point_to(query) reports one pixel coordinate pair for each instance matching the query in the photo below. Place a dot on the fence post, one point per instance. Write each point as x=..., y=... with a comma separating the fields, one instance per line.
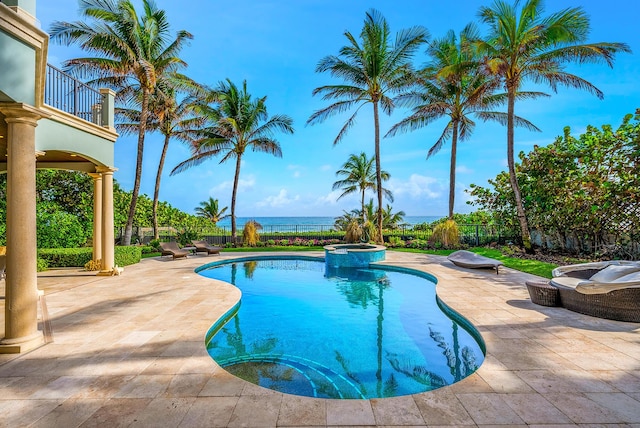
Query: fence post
x=477, y=235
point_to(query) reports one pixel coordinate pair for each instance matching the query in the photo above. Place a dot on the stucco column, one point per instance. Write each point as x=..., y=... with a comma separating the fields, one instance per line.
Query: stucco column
x=97, y=216
x=21, y=305
x=108, y=238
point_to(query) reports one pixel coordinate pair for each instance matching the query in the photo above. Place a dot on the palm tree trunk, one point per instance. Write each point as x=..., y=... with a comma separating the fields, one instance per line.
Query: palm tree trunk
x=522, y=218
x=144, y=111
x=452, y=168
x=236, y=179
x=364, y=213
x=376, y=122
x=156, y=191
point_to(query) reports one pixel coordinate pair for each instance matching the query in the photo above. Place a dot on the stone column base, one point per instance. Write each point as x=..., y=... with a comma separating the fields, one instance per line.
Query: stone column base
x=21, y=344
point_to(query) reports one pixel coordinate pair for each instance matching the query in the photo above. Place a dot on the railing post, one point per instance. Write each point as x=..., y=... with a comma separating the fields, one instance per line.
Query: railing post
x=477, y=235
x=108, y=97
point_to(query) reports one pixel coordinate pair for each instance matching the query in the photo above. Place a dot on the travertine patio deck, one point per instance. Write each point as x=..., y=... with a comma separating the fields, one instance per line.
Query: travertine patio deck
x=129, y=351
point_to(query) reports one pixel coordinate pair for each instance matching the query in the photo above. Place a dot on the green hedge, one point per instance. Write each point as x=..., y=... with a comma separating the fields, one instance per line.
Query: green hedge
x=78, y=257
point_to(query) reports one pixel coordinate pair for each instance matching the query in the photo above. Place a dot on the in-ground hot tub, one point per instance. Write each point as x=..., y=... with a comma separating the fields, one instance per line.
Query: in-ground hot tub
x=353, y=255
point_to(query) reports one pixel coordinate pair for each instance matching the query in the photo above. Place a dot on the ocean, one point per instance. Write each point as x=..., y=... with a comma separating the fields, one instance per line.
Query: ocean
x=286, y=224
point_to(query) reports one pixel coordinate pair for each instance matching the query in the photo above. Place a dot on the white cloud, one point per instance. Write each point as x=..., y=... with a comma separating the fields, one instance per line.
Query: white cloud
x=244, y=185
x=279, y=200
x=296, y=174
x=331, y=198
x=326, y=167
x=463, y=170
x=416, y=186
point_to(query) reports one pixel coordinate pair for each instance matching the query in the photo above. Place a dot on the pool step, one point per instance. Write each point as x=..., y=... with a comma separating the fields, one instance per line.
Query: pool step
x=323, y=381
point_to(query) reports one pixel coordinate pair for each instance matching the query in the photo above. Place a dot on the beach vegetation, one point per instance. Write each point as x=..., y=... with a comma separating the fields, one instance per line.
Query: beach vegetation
x=134, y=52
x=373, y=69
x=525, y=44
x=237, y=122
x=358, y=175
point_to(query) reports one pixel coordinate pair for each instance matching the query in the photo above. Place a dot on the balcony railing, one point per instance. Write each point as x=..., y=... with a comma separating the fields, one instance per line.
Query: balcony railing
x=72, y=96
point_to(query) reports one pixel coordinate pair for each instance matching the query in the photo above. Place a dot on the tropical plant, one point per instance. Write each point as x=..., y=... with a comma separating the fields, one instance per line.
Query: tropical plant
x=171, y=116
x=453, y=86
x=135, y=52
x=447, y=234
x=239, y=122
x=373, y=69
x=522, y=45
x=359, y=176
x=392, y=220
x=581, y=190
x=211, y=211
x=250, y=235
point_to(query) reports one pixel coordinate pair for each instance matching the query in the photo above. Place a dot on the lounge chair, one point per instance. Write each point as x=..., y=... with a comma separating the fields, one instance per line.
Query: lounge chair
x=467, y=259
x=172, y=249
x=609, y=289
x=204, y=247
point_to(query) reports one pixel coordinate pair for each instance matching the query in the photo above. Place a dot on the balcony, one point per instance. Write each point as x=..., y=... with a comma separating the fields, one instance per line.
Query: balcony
x=72, y=96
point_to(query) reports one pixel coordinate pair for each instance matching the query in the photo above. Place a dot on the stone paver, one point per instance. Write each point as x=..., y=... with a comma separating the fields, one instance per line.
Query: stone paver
x=129, y=351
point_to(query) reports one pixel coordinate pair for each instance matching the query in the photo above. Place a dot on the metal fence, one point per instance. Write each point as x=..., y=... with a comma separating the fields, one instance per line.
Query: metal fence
x=70, y=95
x=470, y=234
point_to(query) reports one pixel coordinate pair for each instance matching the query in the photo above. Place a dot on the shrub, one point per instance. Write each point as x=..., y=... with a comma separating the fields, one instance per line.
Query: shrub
x=396, y=241
x=149, y=249
x=271, y=242
x=59, y=229
x=79, y=257
x=42, y=265
x=447, y=234
x=354, y=232
x=185, y=236
x=66, y=257
x=155, y=244
x=250, y=236
x=125, y=256
x=92, y=265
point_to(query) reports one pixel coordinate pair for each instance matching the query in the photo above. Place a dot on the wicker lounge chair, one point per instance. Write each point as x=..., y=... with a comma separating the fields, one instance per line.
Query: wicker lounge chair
x=467, y=259
x=204, y=247
x=172, y=249
x=608, y=290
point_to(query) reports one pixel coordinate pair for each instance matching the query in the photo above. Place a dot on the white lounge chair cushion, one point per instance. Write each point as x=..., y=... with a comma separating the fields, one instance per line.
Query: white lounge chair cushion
x=613, y=272
x=630, y=280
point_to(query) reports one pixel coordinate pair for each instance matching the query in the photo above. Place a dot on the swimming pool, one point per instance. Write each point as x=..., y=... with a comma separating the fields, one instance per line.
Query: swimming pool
x=307, y=329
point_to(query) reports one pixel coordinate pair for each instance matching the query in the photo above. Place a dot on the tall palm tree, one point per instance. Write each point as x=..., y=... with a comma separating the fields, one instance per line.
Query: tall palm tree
x=210, y=210
x=239, y=122
x=360, y=176
x=522, y=45
x=452, y=85
x=373, y=69
x=134, y=53
x=171, y=113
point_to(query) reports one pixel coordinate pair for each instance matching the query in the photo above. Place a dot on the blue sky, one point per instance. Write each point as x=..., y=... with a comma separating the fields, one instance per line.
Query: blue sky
x=276, y=44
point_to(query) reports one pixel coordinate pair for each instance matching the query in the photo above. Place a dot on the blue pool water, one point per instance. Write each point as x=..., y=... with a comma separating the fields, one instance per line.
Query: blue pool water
x=306, y=329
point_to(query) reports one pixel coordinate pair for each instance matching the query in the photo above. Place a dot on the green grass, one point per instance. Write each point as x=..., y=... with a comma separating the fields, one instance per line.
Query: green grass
x=533, y=267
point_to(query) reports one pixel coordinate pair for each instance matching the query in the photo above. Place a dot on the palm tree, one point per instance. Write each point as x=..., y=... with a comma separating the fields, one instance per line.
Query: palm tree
x=211, y=211
x=392, y=220
x=135, y=52
x=522, y=44
x=173, y=118
x=373, y=69
x=359, y=176
x=451, y=85
x=239, y=122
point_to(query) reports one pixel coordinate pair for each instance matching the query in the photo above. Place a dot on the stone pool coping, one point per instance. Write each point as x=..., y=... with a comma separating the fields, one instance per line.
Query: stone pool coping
x=129, y=351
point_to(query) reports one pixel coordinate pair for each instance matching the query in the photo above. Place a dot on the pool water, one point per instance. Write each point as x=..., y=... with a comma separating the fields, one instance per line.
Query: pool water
x=306, y=329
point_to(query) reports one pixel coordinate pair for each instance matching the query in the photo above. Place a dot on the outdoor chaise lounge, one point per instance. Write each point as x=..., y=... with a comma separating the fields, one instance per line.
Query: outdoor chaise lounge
x=609, y=289
x=204, y=247
x=467, y=259
x=172, y=249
